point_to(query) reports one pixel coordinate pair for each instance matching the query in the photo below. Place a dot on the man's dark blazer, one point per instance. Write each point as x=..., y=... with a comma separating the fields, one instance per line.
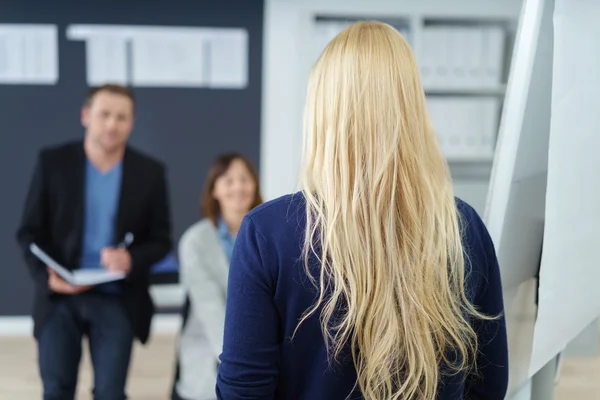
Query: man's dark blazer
x=53, y=219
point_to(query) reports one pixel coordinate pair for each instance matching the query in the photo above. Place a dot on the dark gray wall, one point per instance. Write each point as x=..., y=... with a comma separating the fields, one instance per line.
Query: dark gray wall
x=185, y=128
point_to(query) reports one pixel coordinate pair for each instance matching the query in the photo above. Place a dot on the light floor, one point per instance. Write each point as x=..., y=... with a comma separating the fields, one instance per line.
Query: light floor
x=150, y=376
x=152, y=372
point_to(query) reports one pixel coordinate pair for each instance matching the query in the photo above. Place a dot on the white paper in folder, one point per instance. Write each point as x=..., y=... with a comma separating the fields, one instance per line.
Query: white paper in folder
x=77, y=277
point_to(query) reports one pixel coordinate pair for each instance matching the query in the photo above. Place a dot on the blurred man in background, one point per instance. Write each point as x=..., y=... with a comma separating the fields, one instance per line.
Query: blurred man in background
x=95, y=204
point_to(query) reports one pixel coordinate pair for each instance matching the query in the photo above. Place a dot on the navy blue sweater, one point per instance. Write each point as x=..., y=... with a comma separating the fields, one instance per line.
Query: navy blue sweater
x=268, y=292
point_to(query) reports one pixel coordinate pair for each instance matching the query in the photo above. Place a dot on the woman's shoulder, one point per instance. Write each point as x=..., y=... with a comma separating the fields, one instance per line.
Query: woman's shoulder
x=477, y=244
x=197, y=231
x=285, y=202
x=464, y=208
x=282, y=210
x=280, y=223
x=472, y=227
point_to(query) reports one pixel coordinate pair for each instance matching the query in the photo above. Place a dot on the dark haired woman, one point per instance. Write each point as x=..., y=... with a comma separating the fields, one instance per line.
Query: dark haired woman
x=231, y=190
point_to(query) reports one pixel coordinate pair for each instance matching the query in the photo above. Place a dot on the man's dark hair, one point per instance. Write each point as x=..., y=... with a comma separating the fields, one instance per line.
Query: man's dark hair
x=111, y=88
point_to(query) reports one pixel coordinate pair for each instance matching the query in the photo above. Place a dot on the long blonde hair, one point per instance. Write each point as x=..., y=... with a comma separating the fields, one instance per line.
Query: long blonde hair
x=382, y=219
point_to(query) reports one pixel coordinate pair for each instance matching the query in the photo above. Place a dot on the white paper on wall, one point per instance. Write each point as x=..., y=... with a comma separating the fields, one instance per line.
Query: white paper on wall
x=28, y=54
x=228, y=56
x=169, y=59
x=106, y=60
x=570, y=273
x=164, y=56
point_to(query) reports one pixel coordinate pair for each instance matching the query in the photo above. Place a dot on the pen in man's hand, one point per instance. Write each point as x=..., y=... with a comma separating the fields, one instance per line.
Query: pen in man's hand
x=127, y=240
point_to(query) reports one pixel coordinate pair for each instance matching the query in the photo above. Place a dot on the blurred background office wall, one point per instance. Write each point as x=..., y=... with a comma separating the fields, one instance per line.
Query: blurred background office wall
x=463, y=47
x=191, y=107
x=183, y=118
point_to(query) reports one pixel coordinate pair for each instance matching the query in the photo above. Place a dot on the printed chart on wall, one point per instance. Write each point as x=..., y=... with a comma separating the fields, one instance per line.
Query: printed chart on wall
x=195, y=70
x=569, y=298
x=28, y=54
x=147, y=56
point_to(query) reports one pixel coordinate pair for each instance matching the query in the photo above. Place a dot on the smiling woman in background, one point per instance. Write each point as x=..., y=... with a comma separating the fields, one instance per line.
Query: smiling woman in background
x=374, y=282
x=231, y=191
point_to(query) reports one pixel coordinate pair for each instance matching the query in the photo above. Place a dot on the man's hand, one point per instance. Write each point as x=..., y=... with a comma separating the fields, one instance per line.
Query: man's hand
x=116, y=259
x=59, y=285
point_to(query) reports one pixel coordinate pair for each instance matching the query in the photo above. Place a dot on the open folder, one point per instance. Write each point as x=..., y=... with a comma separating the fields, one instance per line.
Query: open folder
x=81, y=277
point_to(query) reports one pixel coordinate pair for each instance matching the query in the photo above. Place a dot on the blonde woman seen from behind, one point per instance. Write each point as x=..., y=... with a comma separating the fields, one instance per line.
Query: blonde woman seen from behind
x=231, y=190
x=373, y=282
